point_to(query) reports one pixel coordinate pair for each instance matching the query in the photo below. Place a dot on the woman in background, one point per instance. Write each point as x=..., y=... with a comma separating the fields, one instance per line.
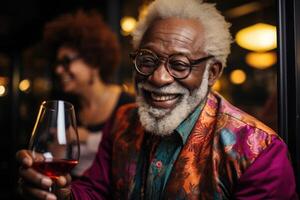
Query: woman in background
x=87, y=53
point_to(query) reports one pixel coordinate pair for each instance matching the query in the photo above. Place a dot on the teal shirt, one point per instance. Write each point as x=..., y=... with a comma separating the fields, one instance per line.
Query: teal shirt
x=165, y=152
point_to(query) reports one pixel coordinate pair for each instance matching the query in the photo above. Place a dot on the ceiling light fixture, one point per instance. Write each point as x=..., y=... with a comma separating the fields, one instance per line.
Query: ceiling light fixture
x=261, y=60
x=258, y=37
x=128, y=25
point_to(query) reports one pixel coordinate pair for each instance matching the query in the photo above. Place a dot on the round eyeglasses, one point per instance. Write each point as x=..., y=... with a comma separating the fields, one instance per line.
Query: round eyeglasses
x=66, y=61
x=178, y=66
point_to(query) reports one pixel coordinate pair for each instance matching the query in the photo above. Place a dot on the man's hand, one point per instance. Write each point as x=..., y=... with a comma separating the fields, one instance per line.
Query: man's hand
x=34, y=185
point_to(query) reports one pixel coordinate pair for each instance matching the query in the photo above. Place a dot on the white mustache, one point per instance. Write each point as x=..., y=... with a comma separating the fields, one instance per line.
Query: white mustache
x=174, y=88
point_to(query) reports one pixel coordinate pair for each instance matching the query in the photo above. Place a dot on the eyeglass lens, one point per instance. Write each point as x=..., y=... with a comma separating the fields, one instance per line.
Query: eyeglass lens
x=65, y=61
x=177, y=65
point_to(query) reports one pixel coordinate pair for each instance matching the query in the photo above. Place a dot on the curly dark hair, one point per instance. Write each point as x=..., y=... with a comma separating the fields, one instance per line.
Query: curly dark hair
x=88, y=34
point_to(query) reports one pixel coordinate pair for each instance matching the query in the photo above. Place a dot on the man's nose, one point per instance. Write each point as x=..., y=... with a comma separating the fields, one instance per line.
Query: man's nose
x=161, y=76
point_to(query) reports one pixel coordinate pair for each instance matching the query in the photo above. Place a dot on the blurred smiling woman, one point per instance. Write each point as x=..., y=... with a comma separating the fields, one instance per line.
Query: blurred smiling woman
x=87, y=54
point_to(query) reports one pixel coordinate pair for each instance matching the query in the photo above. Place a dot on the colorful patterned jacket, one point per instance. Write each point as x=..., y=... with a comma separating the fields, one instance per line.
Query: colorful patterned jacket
x=223, y=144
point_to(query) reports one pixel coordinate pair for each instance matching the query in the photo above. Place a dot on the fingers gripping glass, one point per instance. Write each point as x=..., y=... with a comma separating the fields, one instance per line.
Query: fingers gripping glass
x=178, y=65
x=54, y=142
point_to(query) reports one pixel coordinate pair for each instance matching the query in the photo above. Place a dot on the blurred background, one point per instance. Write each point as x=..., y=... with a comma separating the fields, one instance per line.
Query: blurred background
x=26, y=77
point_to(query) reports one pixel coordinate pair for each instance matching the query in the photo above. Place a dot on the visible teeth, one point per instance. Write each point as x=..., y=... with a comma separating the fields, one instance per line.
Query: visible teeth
x=162, y=97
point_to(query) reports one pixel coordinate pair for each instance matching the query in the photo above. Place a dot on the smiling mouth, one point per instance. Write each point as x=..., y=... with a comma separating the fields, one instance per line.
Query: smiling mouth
x=161, y=100
x=162, y=97
x=65, y=80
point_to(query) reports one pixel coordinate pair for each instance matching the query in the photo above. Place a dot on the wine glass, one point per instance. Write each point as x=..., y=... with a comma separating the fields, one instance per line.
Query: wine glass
x=54, y=142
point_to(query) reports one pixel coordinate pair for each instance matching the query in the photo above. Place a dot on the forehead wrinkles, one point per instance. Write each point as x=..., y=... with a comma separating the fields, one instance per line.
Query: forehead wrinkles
x=172, y=39
x=166, y=43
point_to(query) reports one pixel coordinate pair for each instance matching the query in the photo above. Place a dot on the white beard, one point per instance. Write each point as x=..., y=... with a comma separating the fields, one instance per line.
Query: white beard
x=161, y=121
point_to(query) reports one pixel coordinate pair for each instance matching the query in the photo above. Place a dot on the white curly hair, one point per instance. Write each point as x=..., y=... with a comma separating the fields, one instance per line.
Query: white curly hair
x=217, y=38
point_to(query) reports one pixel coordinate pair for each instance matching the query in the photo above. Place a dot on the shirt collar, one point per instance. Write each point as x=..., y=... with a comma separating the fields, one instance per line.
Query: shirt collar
x=186, y=127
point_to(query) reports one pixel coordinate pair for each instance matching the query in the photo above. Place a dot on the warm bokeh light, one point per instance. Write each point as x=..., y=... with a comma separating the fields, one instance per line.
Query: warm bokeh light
x=2, y=90
x=258, y=37
x=244, y=9
x=128, y=24
x=3, y=80
x=217, y=86
x=24, y=85
x=143, y=10
x=238, y=76
x=41, y=86
x=261, y=60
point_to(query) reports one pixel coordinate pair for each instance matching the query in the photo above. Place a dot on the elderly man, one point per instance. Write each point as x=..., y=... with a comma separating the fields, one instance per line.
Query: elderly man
x=181, y=140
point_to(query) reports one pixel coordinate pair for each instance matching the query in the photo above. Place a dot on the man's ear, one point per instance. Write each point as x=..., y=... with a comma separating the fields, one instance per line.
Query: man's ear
x=214, y=72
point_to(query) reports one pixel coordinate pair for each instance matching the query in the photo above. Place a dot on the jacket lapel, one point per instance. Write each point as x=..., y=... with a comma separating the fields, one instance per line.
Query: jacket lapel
x=126, y=152
x=192, y=169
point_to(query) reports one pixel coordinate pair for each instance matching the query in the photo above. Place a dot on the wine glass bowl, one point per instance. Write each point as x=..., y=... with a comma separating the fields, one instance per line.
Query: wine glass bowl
x=54, y=140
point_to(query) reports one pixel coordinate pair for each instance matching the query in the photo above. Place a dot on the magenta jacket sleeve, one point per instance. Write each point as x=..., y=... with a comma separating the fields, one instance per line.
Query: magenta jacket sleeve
x=271, y=176
x=95, y=183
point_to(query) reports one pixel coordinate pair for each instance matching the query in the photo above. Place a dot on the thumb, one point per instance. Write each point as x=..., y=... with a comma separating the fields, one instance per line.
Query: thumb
x=64, y=181
x=63, y=190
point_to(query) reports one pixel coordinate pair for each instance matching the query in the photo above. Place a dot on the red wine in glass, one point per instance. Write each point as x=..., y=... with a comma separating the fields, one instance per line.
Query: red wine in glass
x=54, y=141
x=55, y=168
